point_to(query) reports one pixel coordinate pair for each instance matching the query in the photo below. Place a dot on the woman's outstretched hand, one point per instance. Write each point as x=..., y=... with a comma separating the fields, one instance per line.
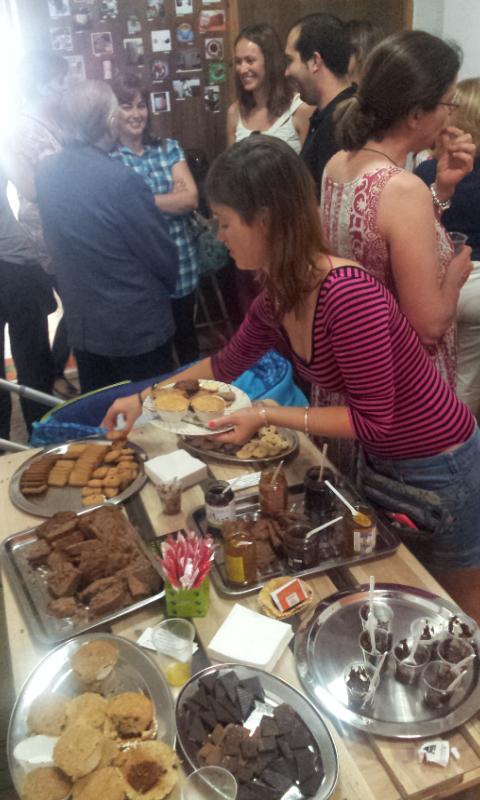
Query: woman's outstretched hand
x=130, y=409
x=246, y=423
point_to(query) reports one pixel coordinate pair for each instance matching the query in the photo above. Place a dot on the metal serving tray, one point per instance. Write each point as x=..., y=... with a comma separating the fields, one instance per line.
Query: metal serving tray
x=68, y=498
x=230, y=458
x=249, y=506
x=30, y=587
x=276, y=691
x=135, y=671
x=330, y=643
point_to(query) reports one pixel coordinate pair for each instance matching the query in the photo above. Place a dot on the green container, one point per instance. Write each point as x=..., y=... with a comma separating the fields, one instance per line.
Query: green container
x=187, y=602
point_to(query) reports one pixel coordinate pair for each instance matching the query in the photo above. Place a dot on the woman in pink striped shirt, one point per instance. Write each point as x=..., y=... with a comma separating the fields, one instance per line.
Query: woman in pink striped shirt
x=344, y=332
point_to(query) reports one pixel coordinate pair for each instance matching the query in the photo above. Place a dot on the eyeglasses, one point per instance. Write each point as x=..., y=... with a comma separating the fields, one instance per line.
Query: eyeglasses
x=450, y=106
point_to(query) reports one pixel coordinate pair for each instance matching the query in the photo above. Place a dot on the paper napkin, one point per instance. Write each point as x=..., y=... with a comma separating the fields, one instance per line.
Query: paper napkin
x=250, y=638
x=179, y=464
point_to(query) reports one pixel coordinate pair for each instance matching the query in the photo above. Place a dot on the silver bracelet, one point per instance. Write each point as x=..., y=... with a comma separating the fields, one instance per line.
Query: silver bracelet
x=442, y=205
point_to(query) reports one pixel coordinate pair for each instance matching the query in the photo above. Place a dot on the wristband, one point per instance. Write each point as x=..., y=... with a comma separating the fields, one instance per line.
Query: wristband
x=306, y=429
x=263, y=413
x=441, y=205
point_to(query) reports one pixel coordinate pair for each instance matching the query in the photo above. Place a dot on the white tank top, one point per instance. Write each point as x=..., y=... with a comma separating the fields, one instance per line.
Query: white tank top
x=283, y=128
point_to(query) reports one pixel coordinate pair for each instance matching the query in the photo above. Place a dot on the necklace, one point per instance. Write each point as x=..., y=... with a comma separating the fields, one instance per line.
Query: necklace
x=380, y=153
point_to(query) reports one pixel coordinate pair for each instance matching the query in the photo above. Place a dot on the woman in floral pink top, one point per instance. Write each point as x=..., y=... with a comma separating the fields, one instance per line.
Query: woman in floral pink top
x=376, y=212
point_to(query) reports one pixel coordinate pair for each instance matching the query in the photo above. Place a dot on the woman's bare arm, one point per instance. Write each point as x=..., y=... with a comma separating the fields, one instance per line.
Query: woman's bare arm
x=184, y=197
x=301, y=120
x=232, y=121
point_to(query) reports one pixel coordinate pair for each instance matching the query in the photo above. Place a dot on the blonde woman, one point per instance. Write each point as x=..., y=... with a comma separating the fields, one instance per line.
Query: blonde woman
x=463, y=215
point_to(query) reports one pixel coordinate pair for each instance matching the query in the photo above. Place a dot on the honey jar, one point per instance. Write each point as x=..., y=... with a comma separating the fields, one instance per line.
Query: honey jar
x=219, y=505
x=273, y=488
x=240, y=555
x=360, y=531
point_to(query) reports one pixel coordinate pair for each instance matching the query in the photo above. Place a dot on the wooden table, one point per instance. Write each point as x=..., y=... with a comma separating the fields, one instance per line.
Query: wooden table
x=371, y=768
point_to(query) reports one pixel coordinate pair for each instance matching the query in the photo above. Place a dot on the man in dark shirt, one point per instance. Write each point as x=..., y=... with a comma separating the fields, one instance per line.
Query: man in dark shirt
x=115, y=261
x=318, y=51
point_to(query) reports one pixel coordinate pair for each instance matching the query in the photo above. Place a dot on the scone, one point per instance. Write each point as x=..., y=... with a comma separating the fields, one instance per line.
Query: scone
x=48, y=714
x=88, y=708
x=78, y=750
x=45, y=783
x=94, y=661
x=131, y=714
x=171, y=406
x=150, y=771
x=106, y=783
x=208, y=407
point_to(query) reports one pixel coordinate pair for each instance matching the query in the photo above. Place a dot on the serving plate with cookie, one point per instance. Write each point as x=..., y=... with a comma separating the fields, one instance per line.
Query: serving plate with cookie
x=94, y=708
x=269, y=444
x=77, y=475
x=186, y=407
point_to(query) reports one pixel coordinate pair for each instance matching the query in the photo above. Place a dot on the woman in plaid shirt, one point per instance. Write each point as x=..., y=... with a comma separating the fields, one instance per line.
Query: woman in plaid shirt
x=162, y=164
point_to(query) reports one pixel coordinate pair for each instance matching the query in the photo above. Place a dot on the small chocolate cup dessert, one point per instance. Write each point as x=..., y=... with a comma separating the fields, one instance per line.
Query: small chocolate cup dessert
x=383, y=644
x=452, y=650
x=461, y=627
x=358, y=678
x=382, y=612
x=408, y=667
x=436, y=678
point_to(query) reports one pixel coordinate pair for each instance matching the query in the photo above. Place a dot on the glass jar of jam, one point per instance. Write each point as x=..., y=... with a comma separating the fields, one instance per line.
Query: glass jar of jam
x=360, y=531
x=273, y=488
x=300, y=548
x=318, y=499
x=240, y=554
x=219, y=504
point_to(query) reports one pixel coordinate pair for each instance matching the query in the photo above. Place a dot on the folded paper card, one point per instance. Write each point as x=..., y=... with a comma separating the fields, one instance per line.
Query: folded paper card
x=179, y=464
x=250, y=638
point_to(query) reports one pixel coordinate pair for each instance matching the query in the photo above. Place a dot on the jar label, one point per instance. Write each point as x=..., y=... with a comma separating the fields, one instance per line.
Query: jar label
x=235, y=569
x=217, y=515
x=364, y=541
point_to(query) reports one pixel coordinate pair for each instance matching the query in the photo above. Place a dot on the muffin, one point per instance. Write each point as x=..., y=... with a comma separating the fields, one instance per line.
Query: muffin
x=150, y=771
x=45, y=783
x=94, y=661
x=48, y=714
x=131, y=714
x=171, y=406
x=208, y=407
x=88, y=708
x=106, y=783
x=78, y=750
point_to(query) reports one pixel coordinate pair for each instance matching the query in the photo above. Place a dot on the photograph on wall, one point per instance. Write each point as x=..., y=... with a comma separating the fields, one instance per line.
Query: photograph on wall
x=160, y=102
x=183, y=7
x=161, y=41
x=58, y=8
x=102, y=44
x=61, y=38
x=214, y=49
x=211, y=21
x=155, y=10
x=133, y=25
x=211, y=97
x=107, y=69
x=217, y=73
x=76, y=69
x=160, y=70
x=184, y=90
x=82, y=18
x=184, y=33
x=188, y=60
x=134, y=51
x=108, y=10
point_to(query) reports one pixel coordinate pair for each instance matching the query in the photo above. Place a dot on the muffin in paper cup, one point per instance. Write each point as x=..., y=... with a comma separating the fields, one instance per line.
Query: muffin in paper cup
x=208, y=406
x=269, y=608
x=171, y=406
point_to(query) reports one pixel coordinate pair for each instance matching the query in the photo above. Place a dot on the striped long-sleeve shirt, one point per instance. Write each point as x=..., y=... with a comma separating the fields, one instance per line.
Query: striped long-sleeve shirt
x=364, y=348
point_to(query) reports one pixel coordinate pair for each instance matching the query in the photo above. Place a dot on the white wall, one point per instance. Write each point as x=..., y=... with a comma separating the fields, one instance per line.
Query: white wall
x=458, y=20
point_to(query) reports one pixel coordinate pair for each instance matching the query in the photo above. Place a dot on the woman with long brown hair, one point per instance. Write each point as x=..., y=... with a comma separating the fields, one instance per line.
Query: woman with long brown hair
x=266, y=102
x=344, y=332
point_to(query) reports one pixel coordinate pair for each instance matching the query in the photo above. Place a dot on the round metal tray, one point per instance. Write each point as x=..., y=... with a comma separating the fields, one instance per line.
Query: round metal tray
x=134, y=672
x=276, y=691
x=68, y=498
x=330, y=643
x=218, y=455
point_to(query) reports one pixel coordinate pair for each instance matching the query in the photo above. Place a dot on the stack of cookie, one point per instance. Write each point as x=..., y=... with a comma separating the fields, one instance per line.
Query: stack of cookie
x=34, y=480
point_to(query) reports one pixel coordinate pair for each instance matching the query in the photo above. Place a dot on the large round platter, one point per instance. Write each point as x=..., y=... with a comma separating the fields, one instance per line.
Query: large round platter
x=218, y=455
x=330, y=643
x=185, y=428
x=134, y=672
x=276, y=691
x=68, y=498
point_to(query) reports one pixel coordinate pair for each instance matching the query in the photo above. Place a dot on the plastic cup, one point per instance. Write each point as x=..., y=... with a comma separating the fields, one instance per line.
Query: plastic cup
x=461, y=627
x=383, y=644
x=319, y=500
x=356, y=692
x=407, y=669
x=382, y=612
x=173, y=641
x=210, y=783
x=436, y=678
x=452, y=650
x=170, y=494
x=431, y=630
x=459, y=240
